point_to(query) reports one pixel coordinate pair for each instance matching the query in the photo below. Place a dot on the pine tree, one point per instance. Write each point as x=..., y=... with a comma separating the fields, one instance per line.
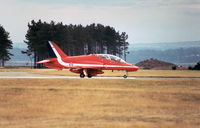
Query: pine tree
x=5, y=45
x=124, y=44
x=197, y=66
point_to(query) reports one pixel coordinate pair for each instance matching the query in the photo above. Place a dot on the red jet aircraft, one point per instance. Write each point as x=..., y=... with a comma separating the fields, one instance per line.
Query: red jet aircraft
x=85, y=65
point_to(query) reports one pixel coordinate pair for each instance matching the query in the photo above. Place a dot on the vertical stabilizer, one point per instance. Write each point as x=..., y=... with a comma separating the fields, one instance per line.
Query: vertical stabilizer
x=55, y=51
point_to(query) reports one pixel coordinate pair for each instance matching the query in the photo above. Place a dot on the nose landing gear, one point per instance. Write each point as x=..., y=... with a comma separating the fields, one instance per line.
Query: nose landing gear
x=126, y=75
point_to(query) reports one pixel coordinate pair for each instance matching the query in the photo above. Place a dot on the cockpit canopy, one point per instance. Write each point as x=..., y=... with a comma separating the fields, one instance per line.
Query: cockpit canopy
x=111, y=57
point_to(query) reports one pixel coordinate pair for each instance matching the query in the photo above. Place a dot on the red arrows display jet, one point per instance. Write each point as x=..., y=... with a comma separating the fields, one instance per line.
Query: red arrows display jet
x=85, y=65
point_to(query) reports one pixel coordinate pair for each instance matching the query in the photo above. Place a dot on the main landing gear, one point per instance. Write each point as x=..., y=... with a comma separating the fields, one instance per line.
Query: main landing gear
x=82, y=75
x=89, y=76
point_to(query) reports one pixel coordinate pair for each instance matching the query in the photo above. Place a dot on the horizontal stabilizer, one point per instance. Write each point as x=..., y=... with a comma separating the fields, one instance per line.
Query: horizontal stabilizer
x=43, y=61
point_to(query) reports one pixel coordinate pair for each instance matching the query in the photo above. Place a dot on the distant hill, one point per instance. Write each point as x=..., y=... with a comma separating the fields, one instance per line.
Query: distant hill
x=180, y=53
x=18, y=59
x=155, y=64
x=164, y=45
x=19, y=45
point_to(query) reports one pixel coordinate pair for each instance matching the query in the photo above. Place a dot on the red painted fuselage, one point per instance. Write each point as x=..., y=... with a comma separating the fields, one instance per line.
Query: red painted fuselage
x=86, y=65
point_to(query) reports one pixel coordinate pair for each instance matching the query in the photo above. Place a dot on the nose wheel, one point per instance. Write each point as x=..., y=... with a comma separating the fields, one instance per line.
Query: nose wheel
x=126, y=75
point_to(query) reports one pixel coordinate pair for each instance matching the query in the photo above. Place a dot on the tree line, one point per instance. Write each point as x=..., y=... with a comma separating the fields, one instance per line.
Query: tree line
x=196, y=67
x=5, y=45
x=74, y=39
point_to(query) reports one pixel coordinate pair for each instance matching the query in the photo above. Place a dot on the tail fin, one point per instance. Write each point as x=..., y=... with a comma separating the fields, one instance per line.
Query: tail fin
x=55, y=51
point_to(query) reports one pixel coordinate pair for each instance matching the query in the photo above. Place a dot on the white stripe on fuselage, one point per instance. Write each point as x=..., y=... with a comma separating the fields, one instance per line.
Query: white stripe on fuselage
x=61, y=62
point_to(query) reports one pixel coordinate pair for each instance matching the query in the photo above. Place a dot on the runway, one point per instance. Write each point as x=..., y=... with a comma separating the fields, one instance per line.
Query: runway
x=29, y=75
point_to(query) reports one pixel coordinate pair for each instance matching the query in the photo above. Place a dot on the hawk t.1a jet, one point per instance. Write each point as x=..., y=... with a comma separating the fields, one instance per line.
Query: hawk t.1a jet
x=85, y=65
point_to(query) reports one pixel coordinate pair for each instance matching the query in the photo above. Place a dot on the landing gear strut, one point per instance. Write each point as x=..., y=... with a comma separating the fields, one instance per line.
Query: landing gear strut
x=125, y=76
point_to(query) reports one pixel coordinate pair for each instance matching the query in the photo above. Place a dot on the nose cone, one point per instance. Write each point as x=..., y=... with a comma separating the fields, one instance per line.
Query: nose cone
x=135, y=68
x=132, y=68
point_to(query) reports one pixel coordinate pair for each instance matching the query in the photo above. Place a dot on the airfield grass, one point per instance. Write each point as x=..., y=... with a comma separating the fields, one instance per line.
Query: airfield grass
x=95, y=103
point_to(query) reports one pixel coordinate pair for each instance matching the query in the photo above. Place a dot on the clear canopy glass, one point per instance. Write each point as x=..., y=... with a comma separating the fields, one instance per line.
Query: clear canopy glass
x=111, y=57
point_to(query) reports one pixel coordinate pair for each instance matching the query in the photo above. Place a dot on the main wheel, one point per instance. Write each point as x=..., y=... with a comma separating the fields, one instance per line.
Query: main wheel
x=125, y=76
x=89, y=76
x=82, y=75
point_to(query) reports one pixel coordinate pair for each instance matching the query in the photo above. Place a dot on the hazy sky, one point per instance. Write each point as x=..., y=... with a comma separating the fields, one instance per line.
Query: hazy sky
x=143, y=20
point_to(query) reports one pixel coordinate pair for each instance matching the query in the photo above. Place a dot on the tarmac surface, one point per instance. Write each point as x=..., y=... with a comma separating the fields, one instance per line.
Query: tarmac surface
x=29, y=75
